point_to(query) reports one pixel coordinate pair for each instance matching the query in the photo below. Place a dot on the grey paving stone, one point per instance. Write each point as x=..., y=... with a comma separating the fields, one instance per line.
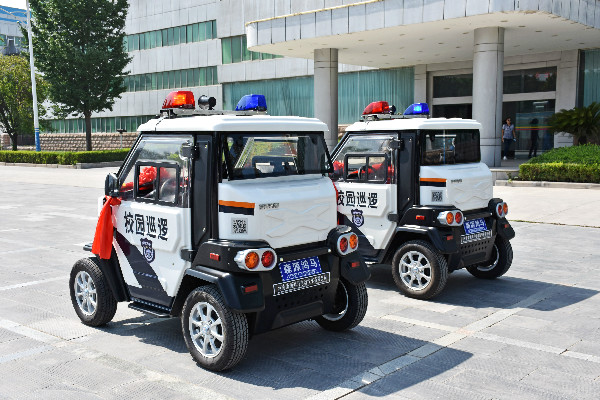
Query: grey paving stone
x=564, y=384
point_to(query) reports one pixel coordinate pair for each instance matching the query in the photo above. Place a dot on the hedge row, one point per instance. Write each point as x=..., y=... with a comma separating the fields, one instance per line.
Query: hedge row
x=588, y=154
x=62, y=157
x=560, y=172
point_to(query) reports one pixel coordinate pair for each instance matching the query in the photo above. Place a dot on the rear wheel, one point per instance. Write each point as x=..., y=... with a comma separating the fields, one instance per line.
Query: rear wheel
x=499, y=262
x=419, y=270
x=91, y=296
x=215, y=335
x=350, y=307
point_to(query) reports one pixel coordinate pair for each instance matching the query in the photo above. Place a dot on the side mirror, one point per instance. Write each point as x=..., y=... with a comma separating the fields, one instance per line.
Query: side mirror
x=111, y=185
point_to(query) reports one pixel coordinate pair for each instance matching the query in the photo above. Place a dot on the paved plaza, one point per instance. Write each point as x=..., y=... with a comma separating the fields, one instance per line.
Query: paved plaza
x=534, y=333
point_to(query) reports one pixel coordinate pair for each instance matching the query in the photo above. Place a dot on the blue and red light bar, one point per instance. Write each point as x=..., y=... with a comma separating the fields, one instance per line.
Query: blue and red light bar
x=180, y=99
x=255, y=102
x=417, y=109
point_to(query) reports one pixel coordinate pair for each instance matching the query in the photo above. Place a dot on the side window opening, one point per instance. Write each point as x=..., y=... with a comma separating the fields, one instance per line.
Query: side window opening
x=441, y=147
x=365, y=159
x=158, y=171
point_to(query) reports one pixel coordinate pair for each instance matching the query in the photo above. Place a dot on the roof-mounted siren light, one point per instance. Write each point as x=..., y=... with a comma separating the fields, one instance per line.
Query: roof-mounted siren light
x=377, y=107
x=206, y=103
x=252, y=102
x=417, y=109
x=180, y=99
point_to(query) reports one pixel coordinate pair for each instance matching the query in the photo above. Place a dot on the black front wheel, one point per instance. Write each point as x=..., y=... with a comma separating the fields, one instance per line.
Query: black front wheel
x=215, y=335
x=350, y=307
x=91, y=296
x=499, y=262
x=419, y=270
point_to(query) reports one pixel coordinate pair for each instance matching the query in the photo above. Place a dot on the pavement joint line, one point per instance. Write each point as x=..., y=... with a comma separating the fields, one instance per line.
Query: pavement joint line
x=455, y=335
x=32, y=283
x=28, y=332
x=26, y=353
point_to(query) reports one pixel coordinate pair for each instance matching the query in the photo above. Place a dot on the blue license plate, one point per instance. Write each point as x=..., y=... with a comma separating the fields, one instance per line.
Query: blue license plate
x=298, y=269
x=475, y=226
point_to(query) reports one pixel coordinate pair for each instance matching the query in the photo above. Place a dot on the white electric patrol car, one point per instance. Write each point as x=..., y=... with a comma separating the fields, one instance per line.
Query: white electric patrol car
x=228, y=220
x=415, y=191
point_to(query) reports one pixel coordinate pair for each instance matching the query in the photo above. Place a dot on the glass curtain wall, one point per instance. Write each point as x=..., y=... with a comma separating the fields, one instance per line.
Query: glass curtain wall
x=590, y=77
x=294, y=96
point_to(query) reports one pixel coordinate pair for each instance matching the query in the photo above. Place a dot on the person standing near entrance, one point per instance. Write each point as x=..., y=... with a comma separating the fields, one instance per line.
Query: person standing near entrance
x=508, y=135
x=533, y=147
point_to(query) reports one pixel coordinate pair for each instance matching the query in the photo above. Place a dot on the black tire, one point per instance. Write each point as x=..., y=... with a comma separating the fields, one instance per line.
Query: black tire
x=232, y=329
x=432, y=272
x=351, y=303
x=91, y=296
x=499, y=263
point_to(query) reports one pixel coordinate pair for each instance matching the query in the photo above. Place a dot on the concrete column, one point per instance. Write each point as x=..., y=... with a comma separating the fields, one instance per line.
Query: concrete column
x=488, y=69
x=326, y=92
x=420, y=95
x=566, y=90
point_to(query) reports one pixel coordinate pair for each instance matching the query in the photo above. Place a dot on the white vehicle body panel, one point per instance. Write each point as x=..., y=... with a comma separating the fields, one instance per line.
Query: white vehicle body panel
x=163, y=256
x=404, y=124
x=369, y=210
x=467, y=186
x=288, y=211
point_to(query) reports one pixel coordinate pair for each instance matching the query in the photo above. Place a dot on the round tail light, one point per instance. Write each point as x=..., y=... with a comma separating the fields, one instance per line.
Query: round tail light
x=251, y=260
x=505, y=208
x=343, y=245
x=449, y=218
x=499, y=209
x=458, y=217
x=353, y=241
x=267, y=259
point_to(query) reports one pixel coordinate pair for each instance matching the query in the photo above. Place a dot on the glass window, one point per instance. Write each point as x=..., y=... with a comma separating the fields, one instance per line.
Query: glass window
x=236, y=49
x=142, y=41
x=209, y=32
x=111, y=125
x=453, y=85
x=171, y=36
x=154, y=81
x=148, y=82
x=183, y=79
x=136, y=42
x=177, y=82
x=202, y=31
x=357, y=148
x=190, y=78
x=440, y=147
x=162, y=170
x=152, y=39
x=214, y=29
x=530, y=80
x=125, y=43
x=172, y=83
x=246, y=56
x=257, y=156
x=226, y=50
x=165, y=80
x=190, y=33
x=165, y=37
x=176, y=35
x=147, y=40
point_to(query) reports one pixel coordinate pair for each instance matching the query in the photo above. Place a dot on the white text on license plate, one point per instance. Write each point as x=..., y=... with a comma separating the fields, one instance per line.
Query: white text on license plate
x=475, y=237
x=299, y=284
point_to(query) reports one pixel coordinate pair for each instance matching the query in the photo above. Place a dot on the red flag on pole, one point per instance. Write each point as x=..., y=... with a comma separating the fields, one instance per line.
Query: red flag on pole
x=103, y=238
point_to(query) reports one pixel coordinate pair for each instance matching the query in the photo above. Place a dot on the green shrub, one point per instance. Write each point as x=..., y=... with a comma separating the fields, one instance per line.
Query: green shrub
x=63, y=158
x=560, y=172
x=584, y=154
x=565, y=164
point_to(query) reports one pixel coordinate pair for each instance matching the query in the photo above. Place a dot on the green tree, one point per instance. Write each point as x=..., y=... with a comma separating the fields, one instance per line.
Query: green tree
x=78, y=45
x=581, y=122
x=16, y=100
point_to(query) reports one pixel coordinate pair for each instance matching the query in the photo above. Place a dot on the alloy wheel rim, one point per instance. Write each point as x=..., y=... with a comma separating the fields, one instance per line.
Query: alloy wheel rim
x=206, y=329
x=340, y=315
x=85, y=293
x=492, y=265
x=415, y=271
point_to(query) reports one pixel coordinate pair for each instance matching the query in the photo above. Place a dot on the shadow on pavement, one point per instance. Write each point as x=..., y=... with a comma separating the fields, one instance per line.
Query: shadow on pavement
x=462, y=289
x=299, y=356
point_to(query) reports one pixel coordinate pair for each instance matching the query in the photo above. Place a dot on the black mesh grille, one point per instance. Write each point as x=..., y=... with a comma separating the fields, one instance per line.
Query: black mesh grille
x=300, y=297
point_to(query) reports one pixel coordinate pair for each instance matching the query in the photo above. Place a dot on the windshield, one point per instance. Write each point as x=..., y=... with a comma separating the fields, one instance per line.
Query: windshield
x=259, y=155
x=440, y=147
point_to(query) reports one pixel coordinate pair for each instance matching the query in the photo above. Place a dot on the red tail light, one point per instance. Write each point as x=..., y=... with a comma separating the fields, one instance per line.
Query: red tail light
x=377, y=107
x=180, y=99
x=499, y=209
x=458, y=217
x=343, y=245
x=505, y=208
x=267, y=259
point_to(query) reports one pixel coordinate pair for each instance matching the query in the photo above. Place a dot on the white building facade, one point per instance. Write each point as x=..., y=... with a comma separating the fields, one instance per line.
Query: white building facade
x=482, y=59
